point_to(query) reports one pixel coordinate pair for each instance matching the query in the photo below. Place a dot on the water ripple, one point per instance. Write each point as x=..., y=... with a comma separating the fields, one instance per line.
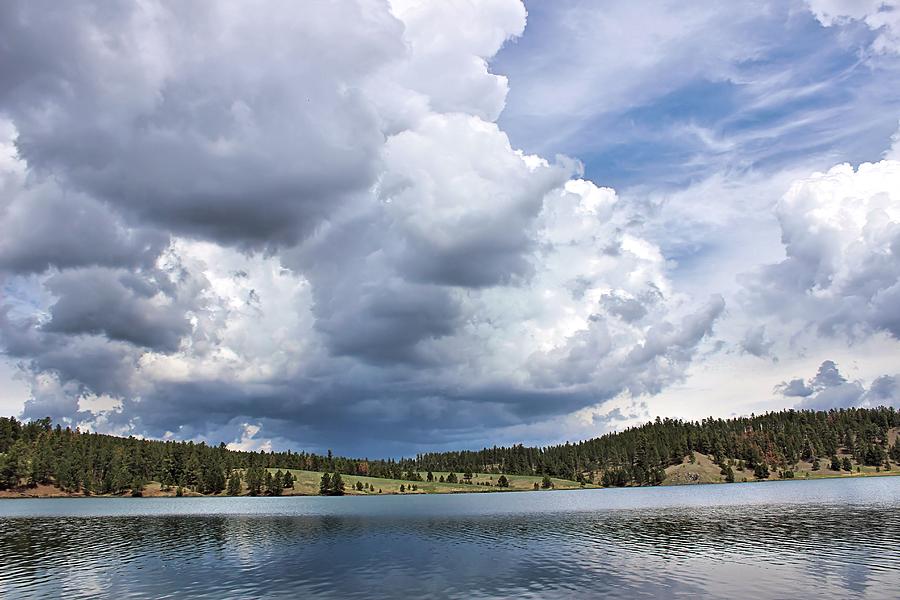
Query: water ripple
x=798, y=541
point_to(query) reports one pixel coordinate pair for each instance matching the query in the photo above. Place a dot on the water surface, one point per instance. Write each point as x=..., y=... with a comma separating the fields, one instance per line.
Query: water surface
x=826, y=538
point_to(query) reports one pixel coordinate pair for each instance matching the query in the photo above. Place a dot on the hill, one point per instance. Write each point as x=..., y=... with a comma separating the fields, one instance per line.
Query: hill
x=37, y=458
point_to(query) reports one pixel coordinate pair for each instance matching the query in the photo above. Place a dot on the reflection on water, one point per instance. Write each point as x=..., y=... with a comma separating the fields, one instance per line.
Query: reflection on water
x=811, y=539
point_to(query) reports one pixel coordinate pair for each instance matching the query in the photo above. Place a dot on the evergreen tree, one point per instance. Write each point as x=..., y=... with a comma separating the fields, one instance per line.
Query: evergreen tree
x=234, y=484
x=14, y=465
x=255, y=478
x=274, y=483
x=337, y=485
x=37, y=453
x=546, y=482
x=729, y=474
x=325, y=485
x=761, y=471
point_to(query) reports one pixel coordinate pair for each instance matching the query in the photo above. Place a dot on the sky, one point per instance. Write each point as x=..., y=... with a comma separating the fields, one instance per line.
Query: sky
x=385, y=228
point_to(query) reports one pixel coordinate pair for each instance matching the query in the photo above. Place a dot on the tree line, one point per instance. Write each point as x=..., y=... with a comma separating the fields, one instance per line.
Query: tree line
x=37, y=453
x=639, y=455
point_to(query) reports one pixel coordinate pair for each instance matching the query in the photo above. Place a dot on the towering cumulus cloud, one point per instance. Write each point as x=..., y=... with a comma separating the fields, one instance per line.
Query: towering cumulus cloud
x=302, y=221
x=841, y=232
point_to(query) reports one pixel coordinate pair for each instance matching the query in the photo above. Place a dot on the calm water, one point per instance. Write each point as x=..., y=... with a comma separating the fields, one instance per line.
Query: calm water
x=829, y=538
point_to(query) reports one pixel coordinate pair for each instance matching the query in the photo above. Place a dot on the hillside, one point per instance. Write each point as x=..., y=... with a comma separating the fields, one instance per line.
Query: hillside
x=39, y=459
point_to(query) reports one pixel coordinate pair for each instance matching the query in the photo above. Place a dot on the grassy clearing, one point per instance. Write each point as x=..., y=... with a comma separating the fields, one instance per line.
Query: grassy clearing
x=704, y=470
x=307, y=483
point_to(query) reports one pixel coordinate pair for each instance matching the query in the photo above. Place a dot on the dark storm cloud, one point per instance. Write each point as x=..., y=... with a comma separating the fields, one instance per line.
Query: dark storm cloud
x=89, y=362
x=116, y=304
x=46, y=226
x=234, y=215
x=363, y=308
x=238, y=130
x=385, y=323
x=353, y=418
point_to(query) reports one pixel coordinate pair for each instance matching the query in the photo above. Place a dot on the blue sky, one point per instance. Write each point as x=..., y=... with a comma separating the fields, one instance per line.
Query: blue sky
x=798, y=93
x=559, y=219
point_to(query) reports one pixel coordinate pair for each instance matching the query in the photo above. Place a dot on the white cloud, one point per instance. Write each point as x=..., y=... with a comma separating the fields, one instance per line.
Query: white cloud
x=841, y=231
x=249, y=441
x=881, y=16
x=830, y=389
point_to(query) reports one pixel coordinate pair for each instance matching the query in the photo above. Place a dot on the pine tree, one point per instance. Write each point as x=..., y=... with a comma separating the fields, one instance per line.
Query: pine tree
x=14, y=465
x=729, y=474
x=325, y=485
x=255, y=477
x=337, y=485
x=761, y=471
x=274, y=485
x=234, y=484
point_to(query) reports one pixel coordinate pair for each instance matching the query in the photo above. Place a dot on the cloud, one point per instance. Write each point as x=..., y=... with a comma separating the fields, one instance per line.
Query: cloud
x=830, y=389
x=249, y=441
x=238, y=223
x=44, y=224
x=449, y=64
x=881, y=16
x=662, y=96
x=756, y=342
x=841, y=235
x=215, y=120
x=893, y=153
x=119, y=305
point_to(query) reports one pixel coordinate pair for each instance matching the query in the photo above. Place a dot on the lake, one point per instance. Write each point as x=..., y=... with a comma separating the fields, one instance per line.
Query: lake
x=801, y=539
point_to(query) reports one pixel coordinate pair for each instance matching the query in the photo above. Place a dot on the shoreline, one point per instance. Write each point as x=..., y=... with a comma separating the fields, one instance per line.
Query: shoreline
x=56, y=493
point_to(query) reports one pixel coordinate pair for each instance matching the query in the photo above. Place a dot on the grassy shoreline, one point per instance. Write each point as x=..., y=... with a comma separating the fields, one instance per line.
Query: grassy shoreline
x=307, y=484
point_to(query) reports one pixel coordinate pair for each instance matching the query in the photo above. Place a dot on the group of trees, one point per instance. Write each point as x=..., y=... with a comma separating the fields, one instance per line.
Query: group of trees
x=331, y=485
x=639, y=455
x=260, y=481
x=37, y=453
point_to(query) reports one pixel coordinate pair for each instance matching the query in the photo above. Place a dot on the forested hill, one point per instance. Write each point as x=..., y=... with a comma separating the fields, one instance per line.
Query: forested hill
x=37, y=453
